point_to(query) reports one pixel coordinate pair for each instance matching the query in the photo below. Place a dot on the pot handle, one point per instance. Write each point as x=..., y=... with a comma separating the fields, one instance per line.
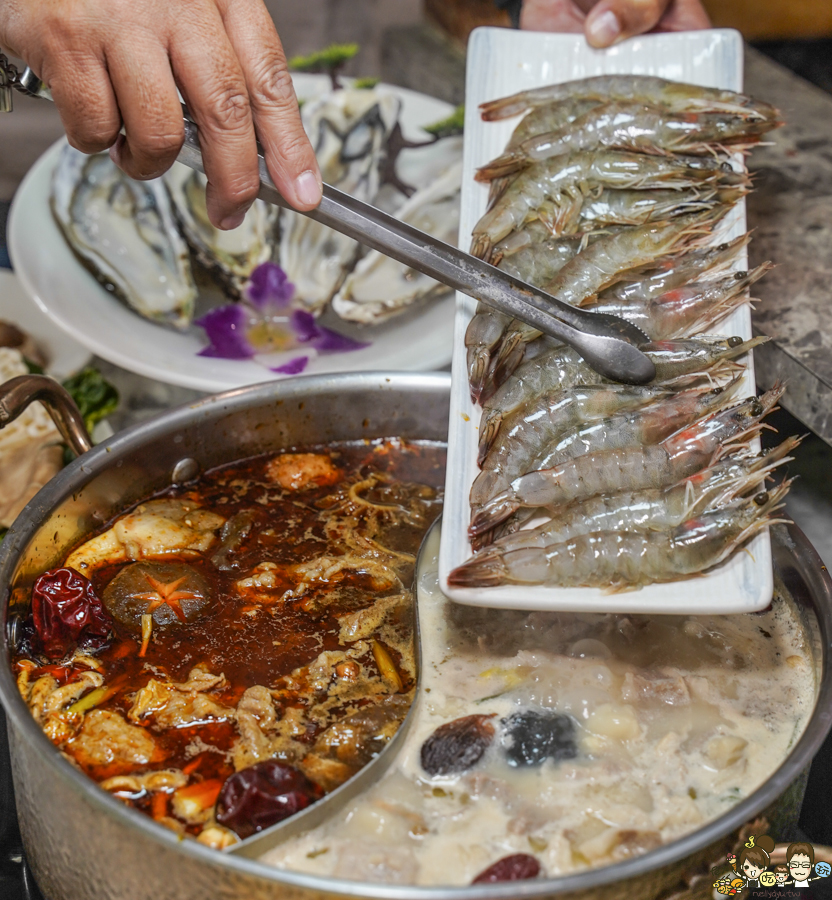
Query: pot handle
x=17, y=393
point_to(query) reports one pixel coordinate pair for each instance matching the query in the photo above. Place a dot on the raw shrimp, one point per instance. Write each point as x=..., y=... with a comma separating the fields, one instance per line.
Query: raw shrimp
x=565, y=181
x=538, y=424
x=562, y=367
x=654, y=508
x=605, y=261
x=534, y=255
x=618, y=559
x=671, y=95
x=685, y=310
x=640, y=207
x=644, y=426
x=538, y=121
x=631, y=126
x=549, y=118
x=482, y=336
x=676, y=271
x=531, y=258
x=632, y=468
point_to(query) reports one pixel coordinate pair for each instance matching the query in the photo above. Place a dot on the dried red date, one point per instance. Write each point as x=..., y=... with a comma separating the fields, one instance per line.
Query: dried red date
x=457, y=746
x=265, y=793
x=516, y=867
x=66, y=611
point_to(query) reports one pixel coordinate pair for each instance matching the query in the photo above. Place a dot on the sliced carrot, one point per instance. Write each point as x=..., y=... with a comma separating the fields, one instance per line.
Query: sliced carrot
x=203, y=793
x=159, y=805
x=123, y=648
x=193, y=765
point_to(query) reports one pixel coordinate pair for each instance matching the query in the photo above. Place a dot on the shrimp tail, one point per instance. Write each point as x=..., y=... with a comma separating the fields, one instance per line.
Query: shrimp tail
x=482, y=246
x=486, y=569
x=504, y=107
x=479, y=364
x=508, y=358
x=502, y=166
x=495, y=191
x=490, y=514
x=489, y=427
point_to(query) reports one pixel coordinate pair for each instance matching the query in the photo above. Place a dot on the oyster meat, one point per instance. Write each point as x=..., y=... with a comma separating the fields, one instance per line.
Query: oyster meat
x=126, y=234
x=380, y=287
x=230, y=255
x=348, y=129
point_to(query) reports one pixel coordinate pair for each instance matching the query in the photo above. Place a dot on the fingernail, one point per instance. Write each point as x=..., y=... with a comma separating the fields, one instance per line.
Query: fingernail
x=603, y=29
x=308, y=188
x=229, y=223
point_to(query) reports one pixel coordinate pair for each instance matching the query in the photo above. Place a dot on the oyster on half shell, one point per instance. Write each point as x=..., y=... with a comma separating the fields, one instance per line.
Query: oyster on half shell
x=230, y=255
x=348, y=129
x=125, y=233
x=379, y=287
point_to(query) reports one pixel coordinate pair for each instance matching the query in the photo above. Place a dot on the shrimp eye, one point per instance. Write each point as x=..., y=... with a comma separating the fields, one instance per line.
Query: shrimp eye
x=734, y=341
x=761, y=499
x=757, y=408
x=726, y=167
x=738, y=276
x=721, y=248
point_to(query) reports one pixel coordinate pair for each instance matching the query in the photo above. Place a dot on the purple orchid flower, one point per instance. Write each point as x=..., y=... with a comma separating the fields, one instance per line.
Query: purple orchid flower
x=324, y=340
x=293, y=367
x=225, y=328
x=269, y=286
x=263, y=321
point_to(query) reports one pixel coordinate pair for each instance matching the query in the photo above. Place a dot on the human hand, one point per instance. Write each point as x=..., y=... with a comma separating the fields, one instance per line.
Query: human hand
x=114, y=62
x=607, y=22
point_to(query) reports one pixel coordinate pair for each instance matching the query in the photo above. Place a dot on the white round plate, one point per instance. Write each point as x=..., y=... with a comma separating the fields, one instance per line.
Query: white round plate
x=69, y=294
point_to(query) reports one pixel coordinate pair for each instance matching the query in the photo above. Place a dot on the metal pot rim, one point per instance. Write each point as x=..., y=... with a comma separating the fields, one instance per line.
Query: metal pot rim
x=126, y=442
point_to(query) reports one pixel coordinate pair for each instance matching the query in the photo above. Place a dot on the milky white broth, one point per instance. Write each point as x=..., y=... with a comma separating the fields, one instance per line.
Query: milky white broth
x=677, y=718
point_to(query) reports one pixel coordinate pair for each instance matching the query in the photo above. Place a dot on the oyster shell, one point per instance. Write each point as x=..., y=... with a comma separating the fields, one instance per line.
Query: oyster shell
x=230, y=255
x=380, y=287
x=348, y=129
x=125, y=233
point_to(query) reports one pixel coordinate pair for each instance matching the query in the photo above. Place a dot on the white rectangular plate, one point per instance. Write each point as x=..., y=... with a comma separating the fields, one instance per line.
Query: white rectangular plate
x=501, y=62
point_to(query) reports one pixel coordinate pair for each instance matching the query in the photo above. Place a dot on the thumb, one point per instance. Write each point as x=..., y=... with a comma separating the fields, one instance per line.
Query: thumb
x=611, y=21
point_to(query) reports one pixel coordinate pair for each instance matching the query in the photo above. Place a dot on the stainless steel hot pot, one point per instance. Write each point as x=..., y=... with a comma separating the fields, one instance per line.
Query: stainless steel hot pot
x=83, y=843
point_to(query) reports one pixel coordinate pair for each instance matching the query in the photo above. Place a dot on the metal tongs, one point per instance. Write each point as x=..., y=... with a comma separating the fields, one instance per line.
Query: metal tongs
x=609, y=344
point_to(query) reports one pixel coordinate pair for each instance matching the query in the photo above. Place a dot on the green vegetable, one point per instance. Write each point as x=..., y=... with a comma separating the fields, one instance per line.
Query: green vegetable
x=3, y=532
x=330, y=60
x=448, y=127
x=93, y=394
x=365, y=84
x=332, y=57
x=33, y=367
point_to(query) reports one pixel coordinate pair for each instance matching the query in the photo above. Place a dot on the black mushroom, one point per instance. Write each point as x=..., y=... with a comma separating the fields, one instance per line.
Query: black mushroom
x=529, y=738
x=168, y=591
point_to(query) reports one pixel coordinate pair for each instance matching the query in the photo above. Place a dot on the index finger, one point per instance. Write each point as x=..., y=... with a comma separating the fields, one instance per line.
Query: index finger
x=289, y=155
x=212, y=83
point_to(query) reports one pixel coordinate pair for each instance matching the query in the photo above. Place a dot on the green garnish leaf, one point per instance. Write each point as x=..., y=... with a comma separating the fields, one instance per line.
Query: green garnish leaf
x=365, y=84
x=332, y=57
x=453, y=124
x=95, y=397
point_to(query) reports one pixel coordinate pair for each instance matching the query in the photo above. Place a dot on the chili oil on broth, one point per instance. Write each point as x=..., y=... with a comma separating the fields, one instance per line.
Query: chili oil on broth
x=303, y=652
x=674, y=719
